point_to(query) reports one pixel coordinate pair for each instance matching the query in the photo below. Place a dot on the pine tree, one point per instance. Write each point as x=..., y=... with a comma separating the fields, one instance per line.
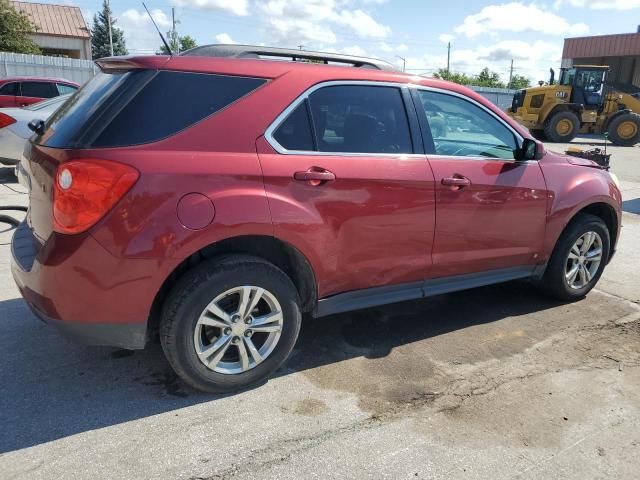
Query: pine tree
x=14, y=27
x=100, y=35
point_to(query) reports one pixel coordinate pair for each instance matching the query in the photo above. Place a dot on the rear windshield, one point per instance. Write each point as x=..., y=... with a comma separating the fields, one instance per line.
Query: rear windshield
x=140, y=106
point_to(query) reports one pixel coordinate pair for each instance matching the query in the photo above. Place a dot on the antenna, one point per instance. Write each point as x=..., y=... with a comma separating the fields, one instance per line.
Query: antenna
x=159, y=33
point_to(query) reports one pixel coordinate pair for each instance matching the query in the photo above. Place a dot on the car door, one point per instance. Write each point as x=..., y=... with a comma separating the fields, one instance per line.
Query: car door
x=349, y=185
x=8, y=93
x=32, y=92
x=490, y=208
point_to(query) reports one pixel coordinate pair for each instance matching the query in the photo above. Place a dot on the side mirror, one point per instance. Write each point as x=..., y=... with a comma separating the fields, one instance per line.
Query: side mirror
x=528, y=151
x=36, y=126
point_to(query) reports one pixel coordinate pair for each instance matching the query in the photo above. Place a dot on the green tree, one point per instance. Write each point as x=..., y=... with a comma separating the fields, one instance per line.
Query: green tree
x=519, y=81
x=461, y=78
x=14, y=29
x=178, y=44
x=487, y=78
x=100, y=35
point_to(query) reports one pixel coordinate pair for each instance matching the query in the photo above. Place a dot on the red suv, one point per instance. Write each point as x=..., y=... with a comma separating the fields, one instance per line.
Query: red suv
x=214, y=197
x=23, y=91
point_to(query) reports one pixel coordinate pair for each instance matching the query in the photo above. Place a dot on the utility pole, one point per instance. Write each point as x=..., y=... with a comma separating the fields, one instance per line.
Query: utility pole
x=510, y=74
x=300, y=47
x=448, y=55
x=109, y=23
x=404, y=62
x=174, y=40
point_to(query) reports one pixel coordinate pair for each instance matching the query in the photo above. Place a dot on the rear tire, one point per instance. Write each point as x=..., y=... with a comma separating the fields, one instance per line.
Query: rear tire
x=557, y=281
x=624, y=130
x=206, y=309
x=562, y=127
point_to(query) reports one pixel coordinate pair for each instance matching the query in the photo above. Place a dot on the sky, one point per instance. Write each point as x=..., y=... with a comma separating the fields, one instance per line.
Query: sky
x=481, y=33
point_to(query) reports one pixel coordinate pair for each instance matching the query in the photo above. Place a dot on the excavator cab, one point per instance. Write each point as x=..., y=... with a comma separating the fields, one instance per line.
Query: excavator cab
x=587, y=85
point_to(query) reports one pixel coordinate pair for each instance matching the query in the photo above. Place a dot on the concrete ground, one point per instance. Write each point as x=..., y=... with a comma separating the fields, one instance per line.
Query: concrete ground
x=497, y=382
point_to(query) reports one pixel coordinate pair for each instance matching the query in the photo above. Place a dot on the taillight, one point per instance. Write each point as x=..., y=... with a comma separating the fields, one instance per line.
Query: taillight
x=85, y=190
x=6, y=120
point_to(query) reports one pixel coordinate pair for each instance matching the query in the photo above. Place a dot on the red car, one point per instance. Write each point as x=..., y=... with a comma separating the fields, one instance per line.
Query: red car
x=215, y=197
x=23, y=91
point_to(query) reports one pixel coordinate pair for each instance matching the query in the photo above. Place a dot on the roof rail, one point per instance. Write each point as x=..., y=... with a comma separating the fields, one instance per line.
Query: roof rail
x=254, y=51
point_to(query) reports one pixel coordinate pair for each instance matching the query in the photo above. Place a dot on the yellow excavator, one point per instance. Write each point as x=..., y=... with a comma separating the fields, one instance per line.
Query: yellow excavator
x=580, y=102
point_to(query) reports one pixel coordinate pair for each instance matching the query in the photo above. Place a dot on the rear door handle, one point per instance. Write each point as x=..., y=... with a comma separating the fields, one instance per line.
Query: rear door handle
x=456, y=181
x=315, y=176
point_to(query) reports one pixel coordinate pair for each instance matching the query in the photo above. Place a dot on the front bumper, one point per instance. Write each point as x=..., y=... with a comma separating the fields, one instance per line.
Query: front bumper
x=71, y=282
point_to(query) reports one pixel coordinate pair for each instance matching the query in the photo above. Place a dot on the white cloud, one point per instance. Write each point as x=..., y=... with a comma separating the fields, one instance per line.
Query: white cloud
x=312, y=22
x=532, y=60
x=234, y=7
x=600, y=4
x=446, y=37
x=139, y=32
x=361, y=23
x=354, y=50
x=224, y=38
x=386, y=48
x=518, y=17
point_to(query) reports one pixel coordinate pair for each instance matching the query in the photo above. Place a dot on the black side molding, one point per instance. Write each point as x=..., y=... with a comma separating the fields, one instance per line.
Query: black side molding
x=373, y=297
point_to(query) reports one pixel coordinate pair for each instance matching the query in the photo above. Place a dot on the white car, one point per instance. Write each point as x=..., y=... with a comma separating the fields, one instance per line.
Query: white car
x=14, y=127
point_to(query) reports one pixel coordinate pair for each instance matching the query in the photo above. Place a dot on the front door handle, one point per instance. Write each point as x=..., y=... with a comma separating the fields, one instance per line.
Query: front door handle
x=456, y=181
x=315, y=176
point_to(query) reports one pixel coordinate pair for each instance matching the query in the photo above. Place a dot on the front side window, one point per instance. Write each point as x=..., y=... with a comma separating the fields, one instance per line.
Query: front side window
x=360, y=119
x=38, y=89
x=9, y=89
x=461, y=128
x=590, y=80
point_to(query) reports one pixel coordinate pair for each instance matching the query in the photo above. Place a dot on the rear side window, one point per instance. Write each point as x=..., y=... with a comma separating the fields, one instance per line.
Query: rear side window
x=141, y=106
x=38, y=89
x=63, y=89
x=349, y=119
x=9, y=89
x=360, y=119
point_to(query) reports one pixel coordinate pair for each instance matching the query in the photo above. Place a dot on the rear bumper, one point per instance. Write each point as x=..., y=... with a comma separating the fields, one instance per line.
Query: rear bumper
x=73, y=283
x=130, y=336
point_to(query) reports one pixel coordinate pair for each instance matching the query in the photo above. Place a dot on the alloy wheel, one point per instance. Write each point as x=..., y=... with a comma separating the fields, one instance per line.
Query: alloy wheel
x=583, y=260
x=238, y=330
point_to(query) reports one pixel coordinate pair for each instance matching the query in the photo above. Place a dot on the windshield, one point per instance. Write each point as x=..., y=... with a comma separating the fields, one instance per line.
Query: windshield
x=567, y=76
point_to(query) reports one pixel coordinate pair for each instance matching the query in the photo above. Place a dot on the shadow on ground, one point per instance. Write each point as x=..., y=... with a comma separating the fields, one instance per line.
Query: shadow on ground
x=52, y=388
x=632, y=206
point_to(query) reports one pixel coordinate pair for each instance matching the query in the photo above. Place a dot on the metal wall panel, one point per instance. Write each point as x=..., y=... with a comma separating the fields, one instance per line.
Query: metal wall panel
x=602, y=46
x=16, y=64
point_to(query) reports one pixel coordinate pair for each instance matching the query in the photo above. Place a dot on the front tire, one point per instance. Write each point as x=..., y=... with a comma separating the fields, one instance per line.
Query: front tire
x=230, y=323
x=578, y=259
x=562, y=127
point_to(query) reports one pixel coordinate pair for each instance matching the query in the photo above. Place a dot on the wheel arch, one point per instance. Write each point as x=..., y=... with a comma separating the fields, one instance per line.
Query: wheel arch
x=607, y=214
x=561, y=107
x=283, y=255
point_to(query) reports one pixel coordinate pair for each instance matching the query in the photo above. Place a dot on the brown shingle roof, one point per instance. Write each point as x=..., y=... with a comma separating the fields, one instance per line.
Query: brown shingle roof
x=55, y=19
